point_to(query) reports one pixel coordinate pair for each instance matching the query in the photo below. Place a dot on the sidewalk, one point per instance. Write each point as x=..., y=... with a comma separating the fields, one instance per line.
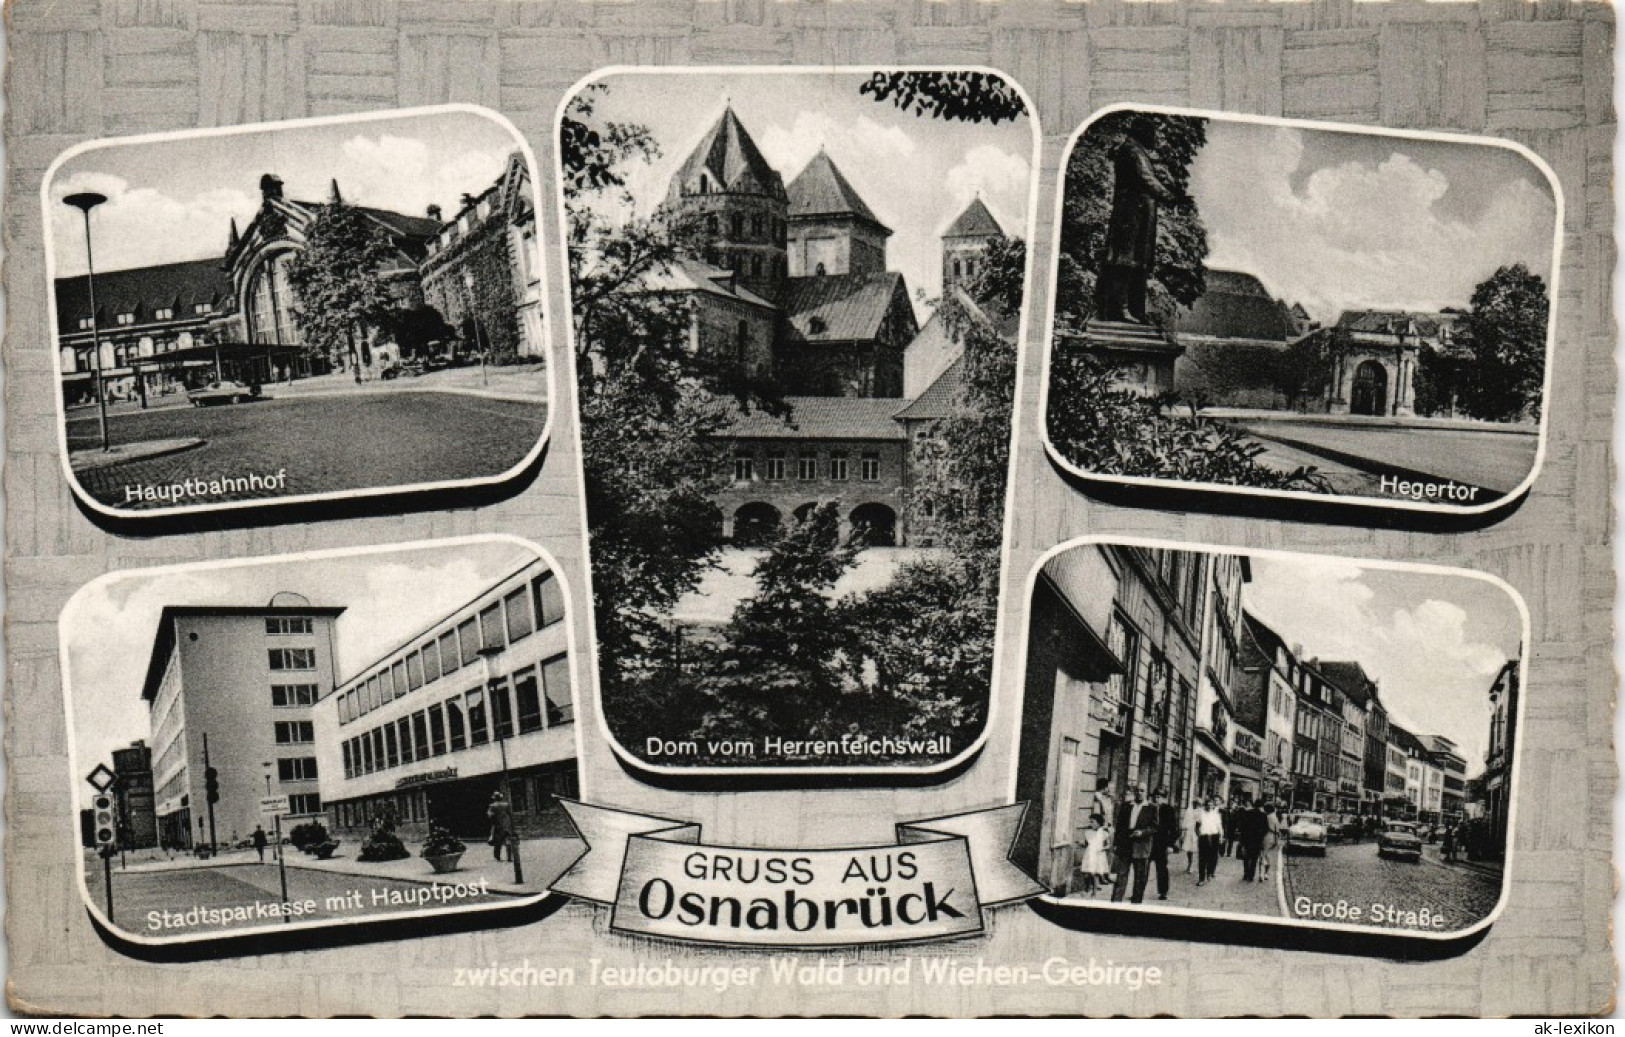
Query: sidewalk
x=513, y=382
x=543, y=861
x=1227, y=893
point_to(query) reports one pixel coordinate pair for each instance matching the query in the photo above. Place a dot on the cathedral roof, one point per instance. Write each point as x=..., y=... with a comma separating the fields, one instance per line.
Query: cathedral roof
x=941, y=398
x=975, y=222
x=730, y=160
x=687, y=274
x=822, y=190
x=842, y=307
x=823, y=417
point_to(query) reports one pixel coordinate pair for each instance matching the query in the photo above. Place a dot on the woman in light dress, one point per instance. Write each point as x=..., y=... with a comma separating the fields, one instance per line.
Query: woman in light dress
x=1188, y=836
x=1272, y=839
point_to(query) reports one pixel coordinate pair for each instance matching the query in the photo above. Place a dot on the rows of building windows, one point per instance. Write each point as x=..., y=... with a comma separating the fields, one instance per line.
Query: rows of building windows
x=294, y=694
x=525, y=792
x=531, y=699
x=499, y=624
x=296, y=768
x=290, y=732
x=774, y=467
x=304, y=803
x=282, y=625
x=292, y=658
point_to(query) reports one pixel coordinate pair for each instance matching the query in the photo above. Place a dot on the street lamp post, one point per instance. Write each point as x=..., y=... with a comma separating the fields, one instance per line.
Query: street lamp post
x=85, y=201
x=488, y=656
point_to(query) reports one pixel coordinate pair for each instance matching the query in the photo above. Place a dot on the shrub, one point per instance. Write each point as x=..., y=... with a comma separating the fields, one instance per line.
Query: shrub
x=383, y=844
x=441, y=841
x=306, y=835
x=1106, y=430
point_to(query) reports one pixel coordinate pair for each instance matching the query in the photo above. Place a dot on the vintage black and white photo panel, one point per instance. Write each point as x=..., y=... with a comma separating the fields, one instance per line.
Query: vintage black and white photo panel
x=796, y=302
x=320, y=740
x=1268, y=737
x=1270, y=307
x=297, y=311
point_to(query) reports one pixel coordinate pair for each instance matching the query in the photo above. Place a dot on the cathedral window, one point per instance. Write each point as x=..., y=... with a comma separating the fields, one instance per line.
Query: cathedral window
x=737, y=225
x=956, y=268
x=756, y=266
x=711, y=224
x=819, y=271
x=705, y=184
x=756, y=226
x=742, y=344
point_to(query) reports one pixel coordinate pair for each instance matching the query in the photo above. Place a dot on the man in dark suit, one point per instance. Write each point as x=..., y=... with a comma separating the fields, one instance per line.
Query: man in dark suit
x=1165, y=839
x=1252, y=827
x=1134, y=832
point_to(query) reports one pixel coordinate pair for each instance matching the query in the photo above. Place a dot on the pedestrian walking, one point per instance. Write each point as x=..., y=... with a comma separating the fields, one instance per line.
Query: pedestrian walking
x=1272, y=840
x=1165, y=839
x=1103, y=805
x=260, y=842
x=1251, y=828
x=1096, y=865
x=1210, y=831
x=1134, y=834
x=500, y=814
x=1188, y=838
x=1447, y=849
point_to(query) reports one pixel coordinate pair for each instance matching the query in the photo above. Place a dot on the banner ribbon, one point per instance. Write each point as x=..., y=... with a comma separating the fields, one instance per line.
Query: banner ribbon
x=660, y=879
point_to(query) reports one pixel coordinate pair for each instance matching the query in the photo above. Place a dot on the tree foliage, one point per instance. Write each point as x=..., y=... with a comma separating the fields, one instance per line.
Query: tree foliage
x=340, y=287
x=1507, y=324
x=957, y=96
x=1178, y=276
x=1107, y=430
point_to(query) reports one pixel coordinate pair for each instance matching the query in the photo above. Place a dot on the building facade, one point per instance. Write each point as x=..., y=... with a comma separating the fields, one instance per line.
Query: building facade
x=482, y=269
x=1112, y=669
x=137, y=817
x=1269, y=675
x=1497, y=777
x=1452, y=776
x=1318, y=741
x=235, y=688
x=1221, y=578
x=428, y=731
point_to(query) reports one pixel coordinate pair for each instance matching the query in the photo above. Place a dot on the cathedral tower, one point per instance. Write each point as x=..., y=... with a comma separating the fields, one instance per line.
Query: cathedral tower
x=736, y=205
x=832, y=230
x=965, y=242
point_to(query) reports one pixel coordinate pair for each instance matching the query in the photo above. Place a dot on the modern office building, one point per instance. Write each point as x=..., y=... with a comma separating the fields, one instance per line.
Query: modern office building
x=427, y=731
x=234, y=688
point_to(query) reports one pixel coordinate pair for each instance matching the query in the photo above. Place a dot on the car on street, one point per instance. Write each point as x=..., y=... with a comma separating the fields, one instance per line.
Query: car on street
x=1399, y=841
x=1307, y=834
x=1344, y=827
x=216, y=393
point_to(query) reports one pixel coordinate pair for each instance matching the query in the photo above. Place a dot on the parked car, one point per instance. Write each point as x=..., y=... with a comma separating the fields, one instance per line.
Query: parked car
x=1307, y=834
x=1399, y=841
x=222, y=392
x=1345, y=827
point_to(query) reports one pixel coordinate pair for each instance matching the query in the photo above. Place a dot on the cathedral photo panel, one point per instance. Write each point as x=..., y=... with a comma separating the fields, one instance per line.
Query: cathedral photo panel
x=297, y=311
x=796, y=306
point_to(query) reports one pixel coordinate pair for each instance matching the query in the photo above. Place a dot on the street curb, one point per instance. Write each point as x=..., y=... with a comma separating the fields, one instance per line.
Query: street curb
x=97, y=461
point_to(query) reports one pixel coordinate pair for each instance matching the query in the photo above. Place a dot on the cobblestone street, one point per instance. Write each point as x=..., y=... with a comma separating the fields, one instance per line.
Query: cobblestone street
x=1391, y=894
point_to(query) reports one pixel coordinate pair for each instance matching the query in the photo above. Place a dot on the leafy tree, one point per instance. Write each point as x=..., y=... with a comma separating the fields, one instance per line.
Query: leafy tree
x=957, y=96
x=1107, y=430
x=1507, y=326
x=340, y=286
x=1178, y=276
x=779, y=668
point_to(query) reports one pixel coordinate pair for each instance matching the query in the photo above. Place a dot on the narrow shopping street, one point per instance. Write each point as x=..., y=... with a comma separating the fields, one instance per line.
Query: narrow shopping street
x=1432, y=895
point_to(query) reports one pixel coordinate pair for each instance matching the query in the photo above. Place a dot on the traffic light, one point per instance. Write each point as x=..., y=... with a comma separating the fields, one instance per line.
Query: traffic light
x=103, y=823
x=211, y=784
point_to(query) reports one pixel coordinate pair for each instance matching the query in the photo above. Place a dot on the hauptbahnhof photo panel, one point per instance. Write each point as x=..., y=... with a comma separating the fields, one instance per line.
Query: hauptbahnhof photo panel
x=1294, y=738
x=320, y=740
x=297, y=311
x=1273, y=307
x=796, y=299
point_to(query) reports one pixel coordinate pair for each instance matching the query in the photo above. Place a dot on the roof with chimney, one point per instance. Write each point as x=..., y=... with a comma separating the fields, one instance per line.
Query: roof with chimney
x=975, y=222
x=822, y=191
x=181, y=287
x=842, y=307
x=730, y=161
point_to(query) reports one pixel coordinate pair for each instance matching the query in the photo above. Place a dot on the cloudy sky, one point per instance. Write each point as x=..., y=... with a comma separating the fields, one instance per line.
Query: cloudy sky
x=1350, y=220
x=173, y=200
x=1433, y=643
x=389, y=597
x=917, y=173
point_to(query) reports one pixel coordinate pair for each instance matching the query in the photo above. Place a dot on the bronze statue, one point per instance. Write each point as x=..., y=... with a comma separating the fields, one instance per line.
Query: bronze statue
x=1131, y=236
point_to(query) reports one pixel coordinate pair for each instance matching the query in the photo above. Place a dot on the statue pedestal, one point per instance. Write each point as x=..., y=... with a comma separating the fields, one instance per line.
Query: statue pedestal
x=1142, y=355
